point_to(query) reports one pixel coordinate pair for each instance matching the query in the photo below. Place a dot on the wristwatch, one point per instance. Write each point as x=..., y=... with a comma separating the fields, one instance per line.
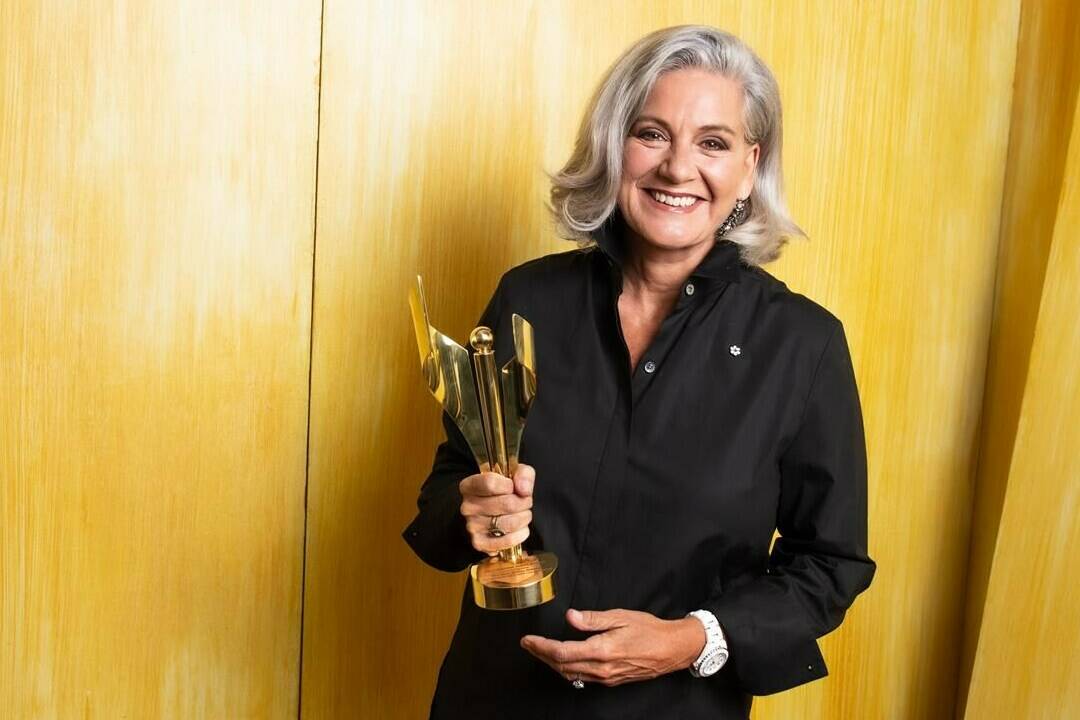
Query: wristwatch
x=715, y=653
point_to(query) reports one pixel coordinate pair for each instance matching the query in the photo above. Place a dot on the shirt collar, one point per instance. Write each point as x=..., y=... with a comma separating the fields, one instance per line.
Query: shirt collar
x=721, y=263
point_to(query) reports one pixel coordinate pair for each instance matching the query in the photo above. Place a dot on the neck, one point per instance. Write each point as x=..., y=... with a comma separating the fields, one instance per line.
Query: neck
x=651, y=273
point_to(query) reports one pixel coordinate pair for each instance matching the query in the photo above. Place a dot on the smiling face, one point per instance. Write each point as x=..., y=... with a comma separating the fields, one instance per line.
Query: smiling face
x=685, y=160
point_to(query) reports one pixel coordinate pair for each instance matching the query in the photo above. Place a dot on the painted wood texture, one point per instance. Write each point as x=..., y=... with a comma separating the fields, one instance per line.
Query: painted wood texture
x=157, y=210
x=156, y=205
x=1045, y=93
x=1027, y=664
x=438, y=121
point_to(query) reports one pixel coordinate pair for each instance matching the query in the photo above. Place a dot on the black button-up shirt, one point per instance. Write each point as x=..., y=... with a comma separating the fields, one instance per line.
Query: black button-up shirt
x=660, y=489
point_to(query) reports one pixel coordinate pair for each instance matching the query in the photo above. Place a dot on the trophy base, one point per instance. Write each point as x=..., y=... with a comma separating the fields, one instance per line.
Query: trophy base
x=500, y=584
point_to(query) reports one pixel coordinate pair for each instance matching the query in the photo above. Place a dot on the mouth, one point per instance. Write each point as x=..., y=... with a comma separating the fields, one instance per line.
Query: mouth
x=673, y=202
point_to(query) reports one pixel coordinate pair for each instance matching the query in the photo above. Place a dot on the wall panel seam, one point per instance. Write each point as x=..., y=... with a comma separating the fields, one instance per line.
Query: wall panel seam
x=311, y=358
x=960, y=694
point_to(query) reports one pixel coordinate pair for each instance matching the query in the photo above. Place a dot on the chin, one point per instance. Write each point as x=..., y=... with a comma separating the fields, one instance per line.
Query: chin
x=673, y=240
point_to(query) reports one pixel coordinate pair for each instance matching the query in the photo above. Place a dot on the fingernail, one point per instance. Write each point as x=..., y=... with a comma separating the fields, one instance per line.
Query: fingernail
x=574, y=614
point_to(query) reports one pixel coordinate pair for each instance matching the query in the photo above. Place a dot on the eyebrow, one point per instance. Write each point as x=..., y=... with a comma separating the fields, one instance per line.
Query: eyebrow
x=703, y=128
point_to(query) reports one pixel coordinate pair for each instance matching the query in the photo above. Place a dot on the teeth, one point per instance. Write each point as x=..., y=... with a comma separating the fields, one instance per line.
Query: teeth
x=673, y=201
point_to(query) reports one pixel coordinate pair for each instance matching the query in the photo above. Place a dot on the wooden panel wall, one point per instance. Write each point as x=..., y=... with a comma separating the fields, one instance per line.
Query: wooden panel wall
x=1027, y=663
x=1045, y=93
x=156, y=205
x=437, y=121
x=157, y=221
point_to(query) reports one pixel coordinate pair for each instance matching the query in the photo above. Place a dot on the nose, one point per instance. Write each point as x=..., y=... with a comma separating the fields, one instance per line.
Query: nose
x=677, y=165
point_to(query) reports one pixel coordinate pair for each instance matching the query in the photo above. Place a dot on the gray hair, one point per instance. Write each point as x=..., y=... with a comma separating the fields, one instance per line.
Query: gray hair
x=583, y=193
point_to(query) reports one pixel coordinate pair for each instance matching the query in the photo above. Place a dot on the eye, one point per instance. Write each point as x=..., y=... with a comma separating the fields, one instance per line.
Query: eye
x=650, y=135
x=714, y=144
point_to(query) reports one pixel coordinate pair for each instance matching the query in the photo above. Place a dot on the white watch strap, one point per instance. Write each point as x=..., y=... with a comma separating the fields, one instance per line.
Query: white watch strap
x=715, y=653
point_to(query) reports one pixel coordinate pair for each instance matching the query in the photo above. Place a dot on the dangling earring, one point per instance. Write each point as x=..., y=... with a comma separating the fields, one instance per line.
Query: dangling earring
x=737, y=216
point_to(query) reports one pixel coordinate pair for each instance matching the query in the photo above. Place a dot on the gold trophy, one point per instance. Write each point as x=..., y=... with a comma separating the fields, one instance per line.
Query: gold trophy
x=489, y=407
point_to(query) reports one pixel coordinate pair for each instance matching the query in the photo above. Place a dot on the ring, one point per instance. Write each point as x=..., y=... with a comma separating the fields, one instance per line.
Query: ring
x=578, y=684
x=493, y=527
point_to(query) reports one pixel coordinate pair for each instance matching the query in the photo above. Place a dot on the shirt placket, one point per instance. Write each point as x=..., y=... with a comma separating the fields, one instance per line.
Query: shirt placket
x=599, y=576
x=651, y=365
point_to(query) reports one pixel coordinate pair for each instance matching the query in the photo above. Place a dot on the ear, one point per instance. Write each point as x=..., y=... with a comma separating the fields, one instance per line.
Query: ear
x=750, y=161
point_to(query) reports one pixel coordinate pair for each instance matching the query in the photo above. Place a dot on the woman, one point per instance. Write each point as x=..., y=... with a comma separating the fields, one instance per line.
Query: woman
x=688, y=405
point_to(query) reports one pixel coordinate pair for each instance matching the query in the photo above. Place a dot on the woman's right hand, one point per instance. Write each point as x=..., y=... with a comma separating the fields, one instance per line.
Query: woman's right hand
x=488, y=494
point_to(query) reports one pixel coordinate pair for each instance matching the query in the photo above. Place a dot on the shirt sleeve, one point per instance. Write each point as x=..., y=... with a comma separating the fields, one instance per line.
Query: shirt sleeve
x=437, y=534
x=820, y=562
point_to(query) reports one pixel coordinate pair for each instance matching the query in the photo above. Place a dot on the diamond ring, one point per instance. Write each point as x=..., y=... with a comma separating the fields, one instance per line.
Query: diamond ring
x=493, y=527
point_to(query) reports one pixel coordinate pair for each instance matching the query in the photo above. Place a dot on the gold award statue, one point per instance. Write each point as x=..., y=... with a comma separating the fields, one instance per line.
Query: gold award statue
x=489, y=407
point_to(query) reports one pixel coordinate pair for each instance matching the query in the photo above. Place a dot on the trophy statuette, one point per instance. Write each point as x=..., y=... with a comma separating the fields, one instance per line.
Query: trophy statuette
x=489, y=406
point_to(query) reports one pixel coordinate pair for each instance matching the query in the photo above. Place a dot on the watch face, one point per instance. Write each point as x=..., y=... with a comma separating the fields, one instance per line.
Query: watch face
x=713, y=663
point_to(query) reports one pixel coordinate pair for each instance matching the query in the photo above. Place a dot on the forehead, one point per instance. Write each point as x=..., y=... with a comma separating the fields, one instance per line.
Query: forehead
x=694, y=97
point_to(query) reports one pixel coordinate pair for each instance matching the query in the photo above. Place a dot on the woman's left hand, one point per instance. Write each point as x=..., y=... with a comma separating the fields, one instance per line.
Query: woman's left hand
x=628, y=646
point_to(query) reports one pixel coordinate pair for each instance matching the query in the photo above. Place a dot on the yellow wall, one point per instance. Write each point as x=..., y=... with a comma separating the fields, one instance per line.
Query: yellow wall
x=436, y=123
x=1027, y=664
x=1045, y=92
x=156, y=191
x=167, y=278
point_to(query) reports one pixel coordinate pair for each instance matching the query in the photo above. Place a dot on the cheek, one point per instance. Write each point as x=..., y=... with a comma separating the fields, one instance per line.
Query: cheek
x=722, y=178
x=634, y=166
x=637, y=161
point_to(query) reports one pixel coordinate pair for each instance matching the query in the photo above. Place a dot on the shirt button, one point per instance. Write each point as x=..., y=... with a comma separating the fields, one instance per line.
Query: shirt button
x=650, y=366
x=689, y=288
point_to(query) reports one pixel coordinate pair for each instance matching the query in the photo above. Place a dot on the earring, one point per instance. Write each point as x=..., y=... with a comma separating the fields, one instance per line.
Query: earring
x=737, y=216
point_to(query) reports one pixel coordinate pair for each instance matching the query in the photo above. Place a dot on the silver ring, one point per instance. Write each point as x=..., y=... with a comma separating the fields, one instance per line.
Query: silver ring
x=578, y=684
x=493, y=527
